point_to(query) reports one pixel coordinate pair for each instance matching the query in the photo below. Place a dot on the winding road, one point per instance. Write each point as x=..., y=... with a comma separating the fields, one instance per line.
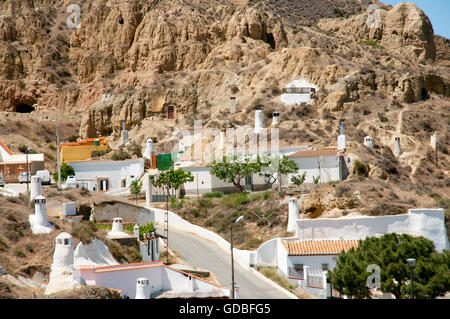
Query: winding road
x=205, y=254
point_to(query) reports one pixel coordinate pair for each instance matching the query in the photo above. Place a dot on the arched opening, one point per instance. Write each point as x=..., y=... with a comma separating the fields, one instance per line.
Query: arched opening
x=24, y=108
x=271, y=40
x=425, y=95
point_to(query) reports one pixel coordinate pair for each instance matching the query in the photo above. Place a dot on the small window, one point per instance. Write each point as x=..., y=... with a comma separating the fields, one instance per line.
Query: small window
x=324, y=267
x=298, y=267
x=66, y=241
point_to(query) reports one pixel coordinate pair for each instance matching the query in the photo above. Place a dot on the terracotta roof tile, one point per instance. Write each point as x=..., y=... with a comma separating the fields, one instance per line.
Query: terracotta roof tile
x=102, y=139
x=6, y=148
x=318, y=247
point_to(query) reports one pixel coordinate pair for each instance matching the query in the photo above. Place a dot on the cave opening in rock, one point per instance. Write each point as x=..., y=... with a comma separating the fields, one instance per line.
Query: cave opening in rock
x=271, y=40
x=121, y=21
x=24, y=108
x=425, y=94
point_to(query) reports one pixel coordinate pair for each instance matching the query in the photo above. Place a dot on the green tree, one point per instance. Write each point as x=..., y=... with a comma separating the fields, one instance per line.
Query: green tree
x=135, y=189
x=66, y=170
x=271, y=166
x=145, y=229
x=233, y=169
x=390, y=251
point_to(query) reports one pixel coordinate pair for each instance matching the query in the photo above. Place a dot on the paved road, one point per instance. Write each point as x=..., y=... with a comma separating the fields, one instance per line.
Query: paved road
x=205, y=254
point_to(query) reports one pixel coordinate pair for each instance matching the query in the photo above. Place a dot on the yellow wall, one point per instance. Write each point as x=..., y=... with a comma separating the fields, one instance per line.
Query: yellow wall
x=79, y=152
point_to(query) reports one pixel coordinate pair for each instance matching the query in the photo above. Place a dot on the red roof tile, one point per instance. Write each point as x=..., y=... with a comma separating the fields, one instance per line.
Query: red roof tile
x=318, y=247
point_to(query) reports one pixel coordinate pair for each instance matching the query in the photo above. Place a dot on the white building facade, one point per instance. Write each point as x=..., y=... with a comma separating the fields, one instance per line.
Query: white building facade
x=107, y=175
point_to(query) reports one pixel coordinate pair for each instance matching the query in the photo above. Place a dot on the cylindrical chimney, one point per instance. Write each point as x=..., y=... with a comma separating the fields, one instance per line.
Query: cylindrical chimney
x=142, y=288
x=397, y=148
x=40, y=210
x=117, y=225
x=35, y=187
x=258, y=121
x=293, y=214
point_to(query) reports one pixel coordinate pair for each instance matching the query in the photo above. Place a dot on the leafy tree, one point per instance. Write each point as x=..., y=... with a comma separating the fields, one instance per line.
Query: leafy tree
x=135, y=189
x=66, y=170
x=171, y=179
x=431, y=274
x=271, y=166
x=145, y=229
x=233, y=169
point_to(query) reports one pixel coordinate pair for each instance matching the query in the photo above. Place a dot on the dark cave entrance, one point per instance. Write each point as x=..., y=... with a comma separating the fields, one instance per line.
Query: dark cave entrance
x=271, y=40
x=425, y=95
x=24, y=108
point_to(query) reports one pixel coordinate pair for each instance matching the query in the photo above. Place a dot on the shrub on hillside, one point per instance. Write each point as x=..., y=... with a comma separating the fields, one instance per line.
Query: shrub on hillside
x=361, y=169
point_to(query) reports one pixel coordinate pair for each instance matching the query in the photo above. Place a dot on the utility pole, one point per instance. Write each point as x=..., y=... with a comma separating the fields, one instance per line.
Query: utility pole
x=232, y=262
x=57, y=148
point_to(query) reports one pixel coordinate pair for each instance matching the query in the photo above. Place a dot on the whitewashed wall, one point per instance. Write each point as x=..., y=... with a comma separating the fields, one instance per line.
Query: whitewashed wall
x=115, y=171
x=429, y=223
x=314, y=262
x=329, y=168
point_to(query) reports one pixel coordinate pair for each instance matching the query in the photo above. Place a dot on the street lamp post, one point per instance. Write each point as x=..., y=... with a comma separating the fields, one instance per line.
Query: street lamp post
x=412, y=263
x=232, y=259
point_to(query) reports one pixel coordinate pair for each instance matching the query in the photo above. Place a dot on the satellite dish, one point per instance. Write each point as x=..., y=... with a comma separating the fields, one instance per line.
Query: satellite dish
x=239, y=219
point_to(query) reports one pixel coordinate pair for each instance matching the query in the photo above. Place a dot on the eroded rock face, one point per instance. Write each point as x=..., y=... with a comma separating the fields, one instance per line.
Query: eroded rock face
x=405, y=29
x=409, y=30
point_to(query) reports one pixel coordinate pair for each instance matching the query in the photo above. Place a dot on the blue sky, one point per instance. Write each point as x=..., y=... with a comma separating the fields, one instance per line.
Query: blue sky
x=437, y=10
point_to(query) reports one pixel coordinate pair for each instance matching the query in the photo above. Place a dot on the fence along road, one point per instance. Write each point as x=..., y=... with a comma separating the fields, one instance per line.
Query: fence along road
x=205, y=254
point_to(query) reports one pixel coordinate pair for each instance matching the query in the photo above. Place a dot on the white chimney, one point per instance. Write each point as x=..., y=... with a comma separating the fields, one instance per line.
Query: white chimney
x=117, y=225
x=40, y=211
x=434, y=140
x=149, y=149
x=293, y=214
x=63, y=255
x=142, y=288
x=258, y=121
x=397, y=148
x=275, y=118
x=136, y=231
x=368, y=142
x=233, y=104
x=123, y=134
x=35, y=187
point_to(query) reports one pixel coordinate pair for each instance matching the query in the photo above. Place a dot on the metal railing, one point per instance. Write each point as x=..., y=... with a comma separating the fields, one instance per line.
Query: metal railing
x=314, y=281
x=295, y=273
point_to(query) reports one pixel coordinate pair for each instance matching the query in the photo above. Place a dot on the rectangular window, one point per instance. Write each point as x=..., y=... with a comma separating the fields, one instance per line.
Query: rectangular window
x=298, y=267
x=324, y=267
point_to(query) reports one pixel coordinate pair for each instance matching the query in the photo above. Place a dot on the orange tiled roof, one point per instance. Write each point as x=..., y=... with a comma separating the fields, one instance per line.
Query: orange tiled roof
x=321, y=152
x=86, y=141
x=318, y=247
x=6, y=148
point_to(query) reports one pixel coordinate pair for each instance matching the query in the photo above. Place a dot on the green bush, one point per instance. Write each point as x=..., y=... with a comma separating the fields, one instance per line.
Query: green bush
x=73, y=138
x=49, y=156
x=204, y=203
x=19, y=253
x=235, y=200
x=361, y=169
x=99, y=153
x=3, y=244
x=121, y=155
x=85, y=231
x=174, y=203
x=52, y=147
x=213, y=195
x=266, y=195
